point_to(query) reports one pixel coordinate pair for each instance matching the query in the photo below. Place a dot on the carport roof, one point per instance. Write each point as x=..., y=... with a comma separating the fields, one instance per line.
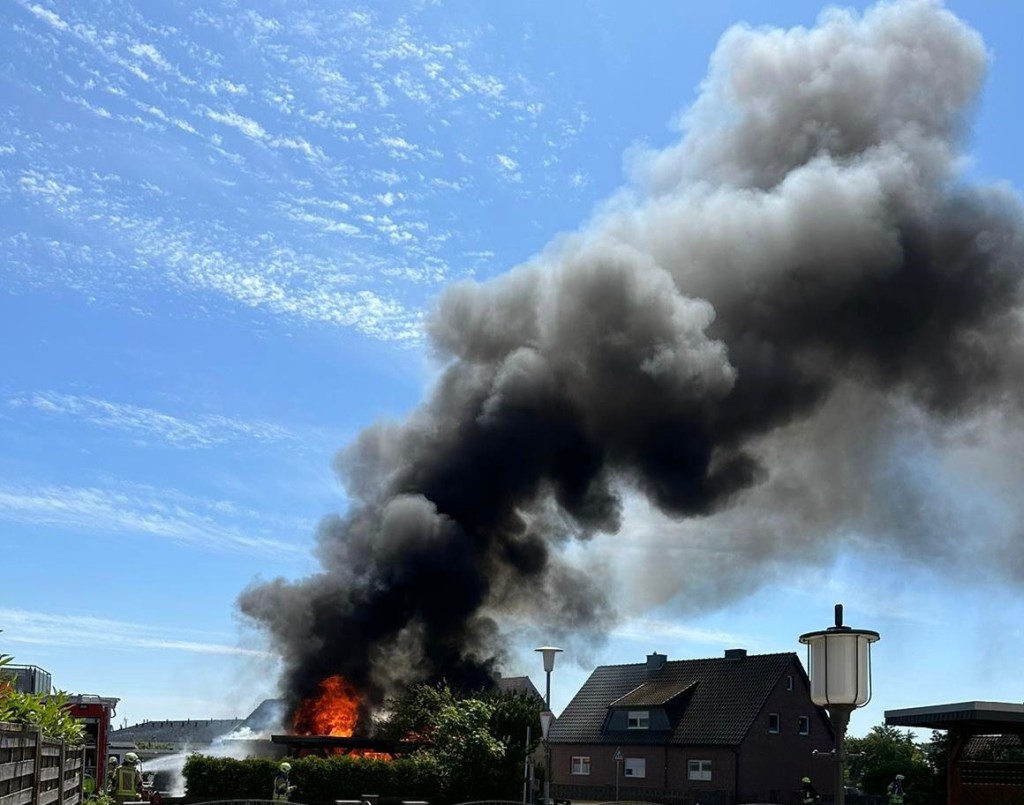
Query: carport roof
x=977, y=718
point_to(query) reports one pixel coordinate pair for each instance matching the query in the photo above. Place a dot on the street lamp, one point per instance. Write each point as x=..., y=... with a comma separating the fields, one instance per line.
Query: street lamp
x=839, y=665
x=548, y=653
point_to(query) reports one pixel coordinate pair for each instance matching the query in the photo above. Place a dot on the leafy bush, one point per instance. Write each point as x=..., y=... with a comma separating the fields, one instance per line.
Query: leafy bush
x=318, y=779
x=50, y=713
x=475, y=741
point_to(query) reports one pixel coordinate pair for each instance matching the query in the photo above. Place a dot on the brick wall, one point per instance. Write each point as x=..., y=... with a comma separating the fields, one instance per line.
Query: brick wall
x=772, y=764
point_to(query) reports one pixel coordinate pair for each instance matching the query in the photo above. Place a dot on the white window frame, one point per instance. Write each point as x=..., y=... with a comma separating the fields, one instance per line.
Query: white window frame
x=635, y=767
x=580, y=765
x=804, y=725
x=774, y=723
x=638, y=719
x=698, y=770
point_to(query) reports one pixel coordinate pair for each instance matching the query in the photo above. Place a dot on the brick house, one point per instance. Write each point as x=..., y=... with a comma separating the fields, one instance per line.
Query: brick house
x=737, y=728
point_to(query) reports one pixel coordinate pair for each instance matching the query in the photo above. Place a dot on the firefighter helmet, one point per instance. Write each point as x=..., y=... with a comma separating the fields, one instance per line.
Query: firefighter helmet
x=285, y=767
x=806, y=780
x=900, y=777
x=131, y=757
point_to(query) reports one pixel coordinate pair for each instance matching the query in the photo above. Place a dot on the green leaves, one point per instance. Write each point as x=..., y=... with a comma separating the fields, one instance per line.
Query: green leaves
x=476, y=742
x=50, y=713
x=887, y=751
x=318, y=779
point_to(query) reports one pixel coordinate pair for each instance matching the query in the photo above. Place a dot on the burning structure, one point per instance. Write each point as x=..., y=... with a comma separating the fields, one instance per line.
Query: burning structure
x=741, y=338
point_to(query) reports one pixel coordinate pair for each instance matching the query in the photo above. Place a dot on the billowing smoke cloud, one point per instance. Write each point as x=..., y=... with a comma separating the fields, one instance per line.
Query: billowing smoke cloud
x=731, y=339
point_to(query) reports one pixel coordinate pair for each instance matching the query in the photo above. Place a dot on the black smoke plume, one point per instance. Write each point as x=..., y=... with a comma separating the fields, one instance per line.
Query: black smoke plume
x=733, y=338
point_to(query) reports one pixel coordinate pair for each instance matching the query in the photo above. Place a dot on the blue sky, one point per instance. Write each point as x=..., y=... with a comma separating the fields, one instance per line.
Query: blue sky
x=220, y=229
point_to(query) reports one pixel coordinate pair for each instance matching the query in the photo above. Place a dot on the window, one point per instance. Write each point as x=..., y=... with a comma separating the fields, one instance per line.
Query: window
x=635, y=767
x=638, y=720
x=581, y=764
x=789, y=682
x=698, y=770
x=773, y=722
x=805, y=725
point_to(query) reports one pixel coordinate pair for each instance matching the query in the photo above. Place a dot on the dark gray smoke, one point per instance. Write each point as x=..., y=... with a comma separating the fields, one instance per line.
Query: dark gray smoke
x=733, y=338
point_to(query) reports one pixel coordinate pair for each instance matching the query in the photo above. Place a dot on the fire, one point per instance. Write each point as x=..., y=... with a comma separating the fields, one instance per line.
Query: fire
x=333, y=712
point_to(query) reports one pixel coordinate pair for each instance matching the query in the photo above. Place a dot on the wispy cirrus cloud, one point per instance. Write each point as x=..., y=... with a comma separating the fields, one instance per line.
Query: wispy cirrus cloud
x=199, y=432
x=131, y=510
x=86, y=631
x=239, y=114
x=642, y=629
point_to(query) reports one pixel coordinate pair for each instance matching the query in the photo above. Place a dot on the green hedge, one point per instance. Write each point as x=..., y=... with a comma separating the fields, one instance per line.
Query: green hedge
x=319, y=780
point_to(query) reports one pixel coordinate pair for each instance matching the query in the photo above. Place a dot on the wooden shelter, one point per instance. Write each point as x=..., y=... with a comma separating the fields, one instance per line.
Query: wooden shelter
x=326, y=745
x=972, y=782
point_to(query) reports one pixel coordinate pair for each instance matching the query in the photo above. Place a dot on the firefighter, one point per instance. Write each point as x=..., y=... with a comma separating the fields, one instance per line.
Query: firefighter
x=895, y=791
x=282, y=788
x=808, y=793
x=111, y=782
x=128, y=780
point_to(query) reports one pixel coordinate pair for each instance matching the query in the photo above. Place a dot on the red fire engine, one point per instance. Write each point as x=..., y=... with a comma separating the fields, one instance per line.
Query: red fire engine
x=96, y=712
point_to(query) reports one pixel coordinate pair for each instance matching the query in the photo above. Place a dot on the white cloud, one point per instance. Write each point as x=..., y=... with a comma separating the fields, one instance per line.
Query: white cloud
x=47, y=16
x=135, y=511
x=86, y=631
x=220, y=85
x=151, y=53
x=248, y=126
x=203, y=431
x=643, y=629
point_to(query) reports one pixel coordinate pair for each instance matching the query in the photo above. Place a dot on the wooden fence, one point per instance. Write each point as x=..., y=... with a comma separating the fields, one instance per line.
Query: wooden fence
x=38, y=771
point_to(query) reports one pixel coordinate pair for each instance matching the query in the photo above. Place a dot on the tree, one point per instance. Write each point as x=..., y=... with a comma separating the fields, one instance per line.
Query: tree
x=936, y=754
x=513, y=715
x=476, y=742
x=413, y=715
x=885, y=752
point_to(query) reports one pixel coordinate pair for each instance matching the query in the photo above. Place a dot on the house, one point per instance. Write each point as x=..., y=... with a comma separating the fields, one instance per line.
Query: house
x=178, y=735
x=521, y=685
x=733, y=728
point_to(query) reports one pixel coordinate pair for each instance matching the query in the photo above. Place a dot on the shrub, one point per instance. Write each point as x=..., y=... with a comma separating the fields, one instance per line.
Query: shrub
x=318, y=779
x=50, y=713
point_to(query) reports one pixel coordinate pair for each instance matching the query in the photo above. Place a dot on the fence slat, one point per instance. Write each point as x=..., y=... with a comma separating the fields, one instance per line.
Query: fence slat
x=17, y=798
x=16, y=768
x=49, y=771
x=12, y=740
x=37, y=789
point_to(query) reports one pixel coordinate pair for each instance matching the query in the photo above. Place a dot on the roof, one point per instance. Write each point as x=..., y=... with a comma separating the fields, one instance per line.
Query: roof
x=268, y=715
x=978, y=718
x=518, y=684
x=184, y=731
x=653, y=694
x=726, y=697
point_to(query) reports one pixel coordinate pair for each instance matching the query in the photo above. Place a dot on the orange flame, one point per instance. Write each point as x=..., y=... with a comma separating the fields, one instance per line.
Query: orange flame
x=333, y=712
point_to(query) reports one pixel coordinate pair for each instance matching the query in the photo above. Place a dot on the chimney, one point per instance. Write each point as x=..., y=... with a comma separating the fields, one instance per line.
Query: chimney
x=735, y=653
x=655, y=662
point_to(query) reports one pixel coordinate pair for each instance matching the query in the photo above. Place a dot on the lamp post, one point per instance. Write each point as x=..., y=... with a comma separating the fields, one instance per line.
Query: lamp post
x=548, y=652
x=839, y=665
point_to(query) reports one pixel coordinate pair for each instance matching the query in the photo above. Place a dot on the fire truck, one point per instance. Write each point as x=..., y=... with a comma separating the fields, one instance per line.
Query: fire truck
x=96, y=712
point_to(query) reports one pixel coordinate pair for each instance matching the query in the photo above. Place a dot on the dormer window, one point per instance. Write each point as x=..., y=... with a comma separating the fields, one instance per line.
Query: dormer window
x=639, y=720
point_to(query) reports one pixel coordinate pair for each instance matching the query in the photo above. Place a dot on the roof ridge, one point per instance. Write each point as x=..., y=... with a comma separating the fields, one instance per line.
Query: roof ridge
x=718, y=657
